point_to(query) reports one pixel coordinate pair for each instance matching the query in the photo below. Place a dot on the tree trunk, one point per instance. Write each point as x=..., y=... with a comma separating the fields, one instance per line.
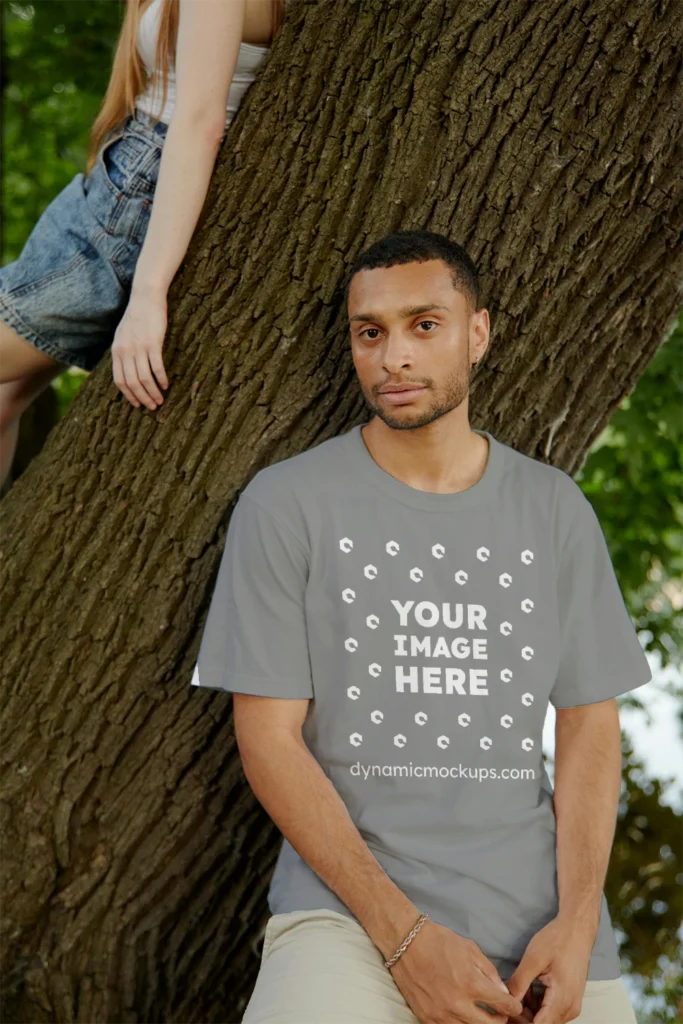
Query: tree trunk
x=545, y=138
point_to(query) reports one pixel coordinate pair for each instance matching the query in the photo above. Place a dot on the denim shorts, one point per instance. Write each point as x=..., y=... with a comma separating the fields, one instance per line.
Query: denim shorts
x=69, y=288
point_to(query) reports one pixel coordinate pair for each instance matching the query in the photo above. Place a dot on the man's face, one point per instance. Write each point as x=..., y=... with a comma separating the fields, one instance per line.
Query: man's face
x=408, y=324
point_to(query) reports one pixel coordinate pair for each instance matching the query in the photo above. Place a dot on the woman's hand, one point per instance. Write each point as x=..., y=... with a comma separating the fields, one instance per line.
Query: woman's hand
x=136, y=349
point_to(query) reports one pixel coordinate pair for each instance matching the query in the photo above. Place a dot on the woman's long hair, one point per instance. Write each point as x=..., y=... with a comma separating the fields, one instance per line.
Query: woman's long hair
x=128, y=75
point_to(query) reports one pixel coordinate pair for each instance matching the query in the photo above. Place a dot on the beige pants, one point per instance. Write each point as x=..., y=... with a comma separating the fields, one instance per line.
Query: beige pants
x=321, y=967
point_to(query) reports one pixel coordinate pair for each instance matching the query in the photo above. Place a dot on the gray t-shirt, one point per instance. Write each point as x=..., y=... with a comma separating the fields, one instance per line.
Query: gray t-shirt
x=430, y=631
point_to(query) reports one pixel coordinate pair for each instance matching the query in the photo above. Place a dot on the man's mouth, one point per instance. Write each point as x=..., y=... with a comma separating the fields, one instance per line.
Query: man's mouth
x=401, y=394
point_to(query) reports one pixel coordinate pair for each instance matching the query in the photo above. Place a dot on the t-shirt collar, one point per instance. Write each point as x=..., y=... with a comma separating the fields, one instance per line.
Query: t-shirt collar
x=430, y=501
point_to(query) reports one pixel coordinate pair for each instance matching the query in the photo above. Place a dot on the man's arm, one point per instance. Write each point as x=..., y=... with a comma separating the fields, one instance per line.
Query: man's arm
x=442, y=975
x=301, y=800
x=587, y=785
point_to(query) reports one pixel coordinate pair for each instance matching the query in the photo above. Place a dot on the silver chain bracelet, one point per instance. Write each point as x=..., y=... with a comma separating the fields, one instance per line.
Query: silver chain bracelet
x=409, y=938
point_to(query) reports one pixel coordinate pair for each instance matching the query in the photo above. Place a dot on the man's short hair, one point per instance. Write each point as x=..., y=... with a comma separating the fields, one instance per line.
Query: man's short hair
x=419, y=246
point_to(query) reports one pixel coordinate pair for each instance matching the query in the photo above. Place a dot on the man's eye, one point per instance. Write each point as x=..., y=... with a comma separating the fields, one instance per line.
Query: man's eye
x=366, y=332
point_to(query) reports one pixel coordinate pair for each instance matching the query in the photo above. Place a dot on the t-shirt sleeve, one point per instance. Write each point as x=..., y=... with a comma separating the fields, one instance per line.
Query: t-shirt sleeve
x=254, y=638
x=600, y=653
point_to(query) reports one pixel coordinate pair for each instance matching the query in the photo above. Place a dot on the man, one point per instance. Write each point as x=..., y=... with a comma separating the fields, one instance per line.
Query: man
x=393, y=611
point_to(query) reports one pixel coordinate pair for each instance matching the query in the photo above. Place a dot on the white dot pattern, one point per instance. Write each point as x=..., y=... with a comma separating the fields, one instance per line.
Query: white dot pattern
x=416, y=574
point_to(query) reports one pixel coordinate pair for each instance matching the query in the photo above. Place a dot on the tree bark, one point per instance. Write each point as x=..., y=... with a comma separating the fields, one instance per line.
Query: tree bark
x=545, y=138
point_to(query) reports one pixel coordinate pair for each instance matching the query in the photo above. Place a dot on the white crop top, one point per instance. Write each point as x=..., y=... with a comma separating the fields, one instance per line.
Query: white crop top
x=249, y=57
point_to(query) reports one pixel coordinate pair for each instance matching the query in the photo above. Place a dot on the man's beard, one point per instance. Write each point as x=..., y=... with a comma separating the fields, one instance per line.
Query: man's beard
x=450, y=396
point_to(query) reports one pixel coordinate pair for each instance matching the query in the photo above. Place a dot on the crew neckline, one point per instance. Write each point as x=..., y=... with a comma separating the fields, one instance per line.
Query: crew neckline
x=431, y=501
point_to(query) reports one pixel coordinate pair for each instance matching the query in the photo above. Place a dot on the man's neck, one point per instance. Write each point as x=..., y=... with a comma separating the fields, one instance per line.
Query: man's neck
x=441, y=457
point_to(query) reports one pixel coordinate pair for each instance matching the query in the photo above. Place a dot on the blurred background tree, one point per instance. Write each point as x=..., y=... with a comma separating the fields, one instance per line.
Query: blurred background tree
x=56, y=59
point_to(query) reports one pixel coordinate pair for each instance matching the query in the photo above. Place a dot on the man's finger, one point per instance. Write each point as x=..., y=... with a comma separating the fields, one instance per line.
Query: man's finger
x=528, y=1014
x=490, y=993
x=522, y=1018
x=553, y=1008
x=527, y=969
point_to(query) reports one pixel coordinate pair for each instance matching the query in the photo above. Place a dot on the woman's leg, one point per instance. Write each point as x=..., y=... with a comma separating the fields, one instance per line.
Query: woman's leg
x=25, y=371
x=19, y=358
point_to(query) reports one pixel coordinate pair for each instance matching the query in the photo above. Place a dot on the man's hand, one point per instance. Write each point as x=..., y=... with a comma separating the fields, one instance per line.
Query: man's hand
x=558, y=955
x=443, y=976
x=136, y=349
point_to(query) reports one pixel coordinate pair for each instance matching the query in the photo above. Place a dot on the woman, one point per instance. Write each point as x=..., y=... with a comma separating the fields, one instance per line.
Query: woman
x=96, y=269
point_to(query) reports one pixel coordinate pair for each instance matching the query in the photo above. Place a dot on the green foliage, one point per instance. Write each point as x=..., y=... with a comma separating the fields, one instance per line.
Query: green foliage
x=633, y=476
x=643, y=886
x=57, y=61
x=67, y=386
x=58, y=56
